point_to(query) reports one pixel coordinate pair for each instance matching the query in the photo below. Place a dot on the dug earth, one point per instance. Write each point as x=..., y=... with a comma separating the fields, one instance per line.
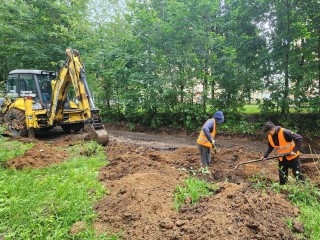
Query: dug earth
x=144, y=170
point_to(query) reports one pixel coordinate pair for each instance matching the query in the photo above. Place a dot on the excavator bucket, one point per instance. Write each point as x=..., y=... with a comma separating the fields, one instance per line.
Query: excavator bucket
x=97, y=133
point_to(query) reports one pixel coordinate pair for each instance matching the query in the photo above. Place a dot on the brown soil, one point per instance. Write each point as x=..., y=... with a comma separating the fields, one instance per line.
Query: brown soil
x=144, y=170
x=40, y=155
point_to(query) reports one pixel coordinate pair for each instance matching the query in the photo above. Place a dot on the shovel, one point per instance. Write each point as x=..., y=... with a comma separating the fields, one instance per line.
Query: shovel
x=259, y=160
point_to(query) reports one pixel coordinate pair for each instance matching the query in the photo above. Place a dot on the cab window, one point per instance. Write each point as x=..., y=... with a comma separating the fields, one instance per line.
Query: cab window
x=26, y=85
x=45, y=86
x=12, y=85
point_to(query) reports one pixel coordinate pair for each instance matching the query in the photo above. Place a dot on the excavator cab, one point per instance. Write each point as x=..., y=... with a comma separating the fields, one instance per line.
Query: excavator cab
x=19, y=84
x=33, y=83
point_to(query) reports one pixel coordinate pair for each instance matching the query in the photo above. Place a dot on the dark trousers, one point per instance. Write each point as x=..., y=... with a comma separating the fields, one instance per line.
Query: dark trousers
x=295, y=165
x=205, y=155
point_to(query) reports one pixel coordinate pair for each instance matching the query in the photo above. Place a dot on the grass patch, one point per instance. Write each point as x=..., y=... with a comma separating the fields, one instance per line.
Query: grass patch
x=12, y=148
x=191, y=192
x=45, y=203
x=251, y=109
x=305, y=196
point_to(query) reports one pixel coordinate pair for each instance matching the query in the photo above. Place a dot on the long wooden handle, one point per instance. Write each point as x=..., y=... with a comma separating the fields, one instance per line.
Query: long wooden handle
x=255, y=160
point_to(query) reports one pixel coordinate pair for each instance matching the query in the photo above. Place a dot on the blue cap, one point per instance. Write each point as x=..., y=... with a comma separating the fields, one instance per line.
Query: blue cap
x=218, y=116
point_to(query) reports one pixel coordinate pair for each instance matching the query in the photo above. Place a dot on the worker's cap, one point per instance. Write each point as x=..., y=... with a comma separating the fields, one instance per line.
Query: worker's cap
x=218, y=116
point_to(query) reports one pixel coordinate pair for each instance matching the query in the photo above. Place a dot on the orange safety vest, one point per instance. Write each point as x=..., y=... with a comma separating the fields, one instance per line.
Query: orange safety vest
x=284, y=146
x=202, y=139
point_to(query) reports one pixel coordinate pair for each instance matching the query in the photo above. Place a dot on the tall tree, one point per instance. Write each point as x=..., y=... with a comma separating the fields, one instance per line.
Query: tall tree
x=36, y=33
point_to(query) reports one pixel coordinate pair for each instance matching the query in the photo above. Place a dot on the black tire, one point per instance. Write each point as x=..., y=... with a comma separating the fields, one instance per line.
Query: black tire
x=72, y=128
x=15, y=119
x=1, y=118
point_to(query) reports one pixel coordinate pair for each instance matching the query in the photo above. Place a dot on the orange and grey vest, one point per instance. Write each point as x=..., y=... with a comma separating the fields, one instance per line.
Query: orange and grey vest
x=202, y=139
x=284, y=146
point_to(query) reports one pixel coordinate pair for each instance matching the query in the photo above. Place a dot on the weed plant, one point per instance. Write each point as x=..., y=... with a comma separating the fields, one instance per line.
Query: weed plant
x=45, y=203
x=193, y=172
x=192, y=191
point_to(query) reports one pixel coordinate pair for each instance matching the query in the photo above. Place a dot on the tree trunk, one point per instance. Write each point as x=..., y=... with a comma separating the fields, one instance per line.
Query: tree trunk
x=319, y=63
x=285, y=102
x=181, y=93
x=205, y=93
x=298, y=94
x=212, y=89
x=285, y=105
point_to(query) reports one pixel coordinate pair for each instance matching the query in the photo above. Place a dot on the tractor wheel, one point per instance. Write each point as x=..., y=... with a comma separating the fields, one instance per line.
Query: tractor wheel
x=72, y=128
x=1, y=118
x=15, y=119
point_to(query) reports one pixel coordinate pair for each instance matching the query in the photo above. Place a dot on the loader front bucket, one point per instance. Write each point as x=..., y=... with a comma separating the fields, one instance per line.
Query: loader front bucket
x=98, y=133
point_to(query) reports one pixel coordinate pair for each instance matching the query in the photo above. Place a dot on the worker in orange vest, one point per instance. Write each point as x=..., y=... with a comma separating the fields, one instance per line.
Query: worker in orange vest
x=288, y=145
x=206, y=137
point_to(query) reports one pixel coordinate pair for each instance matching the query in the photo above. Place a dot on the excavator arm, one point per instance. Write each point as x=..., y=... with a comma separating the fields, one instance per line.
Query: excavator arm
x=72, y=73
x=69, y=74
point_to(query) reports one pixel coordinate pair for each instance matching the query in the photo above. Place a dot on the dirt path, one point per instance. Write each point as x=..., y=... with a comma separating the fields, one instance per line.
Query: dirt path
x=145, y=169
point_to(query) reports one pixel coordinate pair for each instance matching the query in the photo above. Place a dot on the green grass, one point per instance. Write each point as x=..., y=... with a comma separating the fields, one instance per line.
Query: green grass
x=193, y=190
x=45, y=203
x=12, y=148
x=305, y=196
x=251, y=108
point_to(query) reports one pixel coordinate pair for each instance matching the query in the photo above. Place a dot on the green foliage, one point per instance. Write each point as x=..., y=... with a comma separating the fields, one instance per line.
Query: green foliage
x=144, y=59
x=193, y=190
x=36, y=33
x=189, y=116
x=267, y=105
x=247, y=128
x=12, y=148
x=308, y=125
x=240, y=124
x=45, y=203
x=153, y=67
x=260, y=181
x=183, y=116
x=89, y=149
x=112, y=114
x=314, y=104
x=305, y=124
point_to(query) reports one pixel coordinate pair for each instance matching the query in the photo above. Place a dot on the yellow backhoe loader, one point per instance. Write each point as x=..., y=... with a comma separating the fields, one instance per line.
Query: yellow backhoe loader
x=39, y=100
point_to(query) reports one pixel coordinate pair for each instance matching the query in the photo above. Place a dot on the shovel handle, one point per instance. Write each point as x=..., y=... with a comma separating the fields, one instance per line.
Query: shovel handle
x=259, y=159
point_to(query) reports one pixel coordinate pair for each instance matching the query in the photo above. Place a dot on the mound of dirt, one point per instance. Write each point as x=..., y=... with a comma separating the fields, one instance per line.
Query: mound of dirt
x=236, y=212
x=40, y=155
x=142, y=181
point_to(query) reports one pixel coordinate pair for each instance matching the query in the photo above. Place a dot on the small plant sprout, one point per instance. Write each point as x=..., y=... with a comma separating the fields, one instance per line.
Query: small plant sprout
x=204, y=170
